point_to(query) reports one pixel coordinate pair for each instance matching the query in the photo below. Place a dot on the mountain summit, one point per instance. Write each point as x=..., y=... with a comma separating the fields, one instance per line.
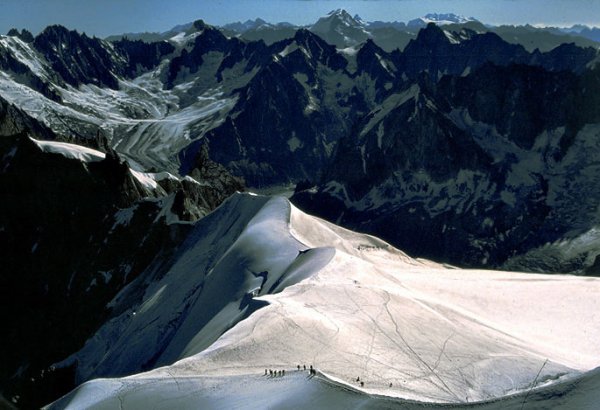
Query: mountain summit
x=341, y=29
x=440, y=19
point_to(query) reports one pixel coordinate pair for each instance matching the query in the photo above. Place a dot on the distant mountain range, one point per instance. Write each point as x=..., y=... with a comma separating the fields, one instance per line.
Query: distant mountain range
x=344, y=30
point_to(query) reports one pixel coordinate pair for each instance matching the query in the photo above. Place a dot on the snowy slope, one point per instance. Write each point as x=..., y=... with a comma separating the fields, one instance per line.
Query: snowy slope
x=241, y=251
x=297, y=390
x=410, y=329
x=72, y=151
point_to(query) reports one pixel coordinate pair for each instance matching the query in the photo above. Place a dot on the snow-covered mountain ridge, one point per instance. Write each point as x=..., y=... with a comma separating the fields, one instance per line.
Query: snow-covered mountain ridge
x=363, y=311
x=440, y=19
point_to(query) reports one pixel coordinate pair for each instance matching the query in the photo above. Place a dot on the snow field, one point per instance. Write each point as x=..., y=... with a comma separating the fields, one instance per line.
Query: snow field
x=437, y=334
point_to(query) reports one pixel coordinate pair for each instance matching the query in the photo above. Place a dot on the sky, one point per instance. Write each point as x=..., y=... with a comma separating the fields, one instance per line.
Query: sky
x=105, y=17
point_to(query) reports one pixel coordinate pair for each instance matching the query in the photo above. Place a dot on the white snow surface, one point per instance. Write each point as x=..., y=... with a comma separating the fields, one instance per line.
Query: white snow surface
x=410, y=329
x=72, y=151
x=441, y=19
x=85, y=155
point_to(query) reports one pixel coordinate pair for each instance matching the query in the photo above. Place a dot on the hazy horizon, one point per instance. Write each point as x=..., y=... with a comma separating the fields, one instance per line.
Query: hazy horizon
x=109, y=17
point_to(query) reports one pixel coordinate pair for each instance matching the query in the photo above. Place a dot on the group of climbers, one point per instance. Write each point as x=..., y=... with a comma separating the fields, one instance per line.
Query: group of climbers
x=280, y=373
x=312, y=372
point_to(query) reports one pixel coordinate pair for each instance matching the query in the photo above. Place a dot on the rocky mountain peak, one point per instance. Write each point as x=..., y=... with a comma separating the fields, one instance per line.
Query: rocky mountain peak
x=304, y=36
x=58, y=38
x=77, y=58
x=340, y=28
x=372, y=59
x=24, y=34
x=371, y=47
x=200, y=25
x=431, y=36
x=311, y=42
x=240, y=27
x=319, y=50
x=343, y=16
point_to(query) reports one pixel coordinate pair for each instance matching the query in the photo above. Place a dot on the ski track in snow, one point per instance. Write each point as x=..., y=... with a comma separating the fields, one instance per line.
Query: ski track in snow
x=438, y=334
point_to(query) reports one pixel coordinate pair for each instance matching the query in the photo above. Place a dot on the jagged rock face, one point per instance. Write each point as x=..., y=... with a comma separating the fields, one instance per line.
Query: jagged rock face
x=413, y=137
x=251, y=55
x=435, y=53
x=15, y=121
x=74, y=234
x=215, y=87
x=213, y=185
x=24, y=35
x=378, y=65
x=142, y=56
x=77, y=58
x=520, y=101
x=210, y=41
x=440, y=52
x=306, y=96
x=300, y=100
x=319, y=51
x=343, y=30
x=268, y=151
x=565, y=57
x=471, y=170
x=280, y=130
